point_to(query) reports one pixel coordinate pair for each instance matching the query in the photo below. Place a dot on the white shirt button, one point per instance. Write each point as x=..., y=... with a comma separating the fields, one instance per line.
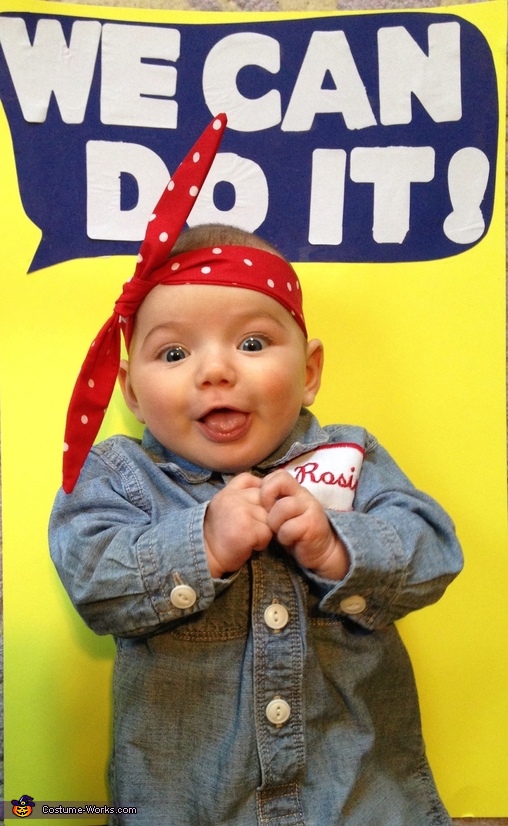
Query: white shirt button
x=278, y=711
x=183, y=596
x=353, y=605
x=276, y=616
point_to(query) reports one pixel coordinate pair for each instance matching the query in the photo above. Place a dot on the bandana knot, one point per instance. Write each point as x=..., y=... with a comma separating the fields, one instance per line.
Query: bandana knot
x=133, y=294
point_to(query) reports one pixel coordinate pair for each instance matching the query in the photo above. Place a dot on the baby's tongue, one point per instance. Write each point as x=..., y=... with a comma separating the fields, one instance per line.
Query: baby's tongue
x=224, y=420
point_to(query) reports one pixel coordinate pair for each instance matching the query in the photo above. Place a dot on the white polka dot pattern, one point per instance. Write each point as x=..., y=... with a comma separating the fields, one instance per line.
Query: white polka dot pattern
x=229, y=266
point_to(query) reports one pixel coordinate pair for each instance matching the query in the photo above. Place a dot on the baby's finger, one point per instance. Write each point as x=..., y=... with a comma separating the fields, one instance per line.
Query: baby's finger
x=261, y=537
x=244, y=481
x=291, y=531
x=283, y=510
x=276, y=486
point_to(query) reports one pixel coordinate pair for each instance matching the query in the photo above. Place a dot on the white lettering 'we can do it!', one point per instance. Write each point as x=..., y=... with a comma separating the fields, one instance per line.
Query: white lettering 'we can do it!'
x=330, y=473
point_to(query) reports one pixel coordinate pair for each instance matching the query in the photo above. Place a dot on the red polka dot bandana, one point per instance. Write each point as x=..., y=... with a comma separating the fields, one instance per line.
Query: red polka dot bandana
x=231, y=266
x=237, y=266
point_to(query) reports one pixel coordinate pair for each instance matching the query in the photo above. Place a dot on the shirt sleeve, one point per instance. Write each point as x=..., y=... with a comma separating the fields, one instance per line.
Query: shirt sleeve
x=402, y=547
x=119, y=569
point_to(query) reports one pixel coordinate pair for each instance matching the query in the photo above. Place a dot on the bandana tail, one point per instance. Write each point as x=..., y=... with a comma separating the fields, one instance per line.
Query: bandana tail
x=178, y=199
x=90, y=400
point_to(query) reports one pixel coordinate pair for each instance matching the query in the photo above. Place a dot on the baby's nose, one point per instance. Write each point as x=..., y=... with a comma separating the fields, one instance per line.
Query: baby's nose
x=216, y=368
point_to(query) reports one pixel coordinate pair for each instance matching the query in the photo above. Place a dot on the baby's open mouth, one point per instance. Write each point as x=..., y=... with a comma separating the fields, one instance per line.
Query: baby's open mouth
x=224, y=421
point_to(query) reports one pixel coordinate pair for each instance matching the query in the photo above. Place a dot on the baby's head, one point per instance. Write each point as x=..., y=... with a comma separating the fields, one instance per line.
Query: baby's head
x=219, y=371
x=202, y=283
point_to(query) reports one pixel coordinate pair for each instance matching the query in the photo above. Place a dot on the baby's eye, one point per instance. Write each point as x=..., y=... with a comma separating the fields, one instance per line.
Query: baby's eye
x=253, y=344
x=174, y=354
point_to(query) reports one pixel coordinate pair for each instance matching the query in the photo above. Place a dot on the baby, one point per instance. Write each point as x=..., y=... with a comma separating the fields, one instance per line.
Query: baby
x=249, y=562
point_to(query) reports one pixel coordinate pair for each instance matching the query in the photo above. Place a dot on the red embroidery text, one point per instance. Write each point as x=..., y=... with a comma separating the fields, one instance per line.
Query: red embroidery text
x=310, y=472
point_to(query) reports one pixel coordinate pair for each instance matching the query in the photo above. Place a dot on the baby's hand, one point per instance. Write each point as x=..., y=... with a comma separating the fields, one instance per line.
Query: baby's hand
x=300, y=524
x=236, y=524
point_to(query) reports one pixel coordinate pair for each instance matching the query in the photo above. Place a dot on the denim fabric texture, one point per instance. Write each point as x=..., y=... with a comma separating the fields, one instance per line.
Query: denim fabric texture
x=192, y=742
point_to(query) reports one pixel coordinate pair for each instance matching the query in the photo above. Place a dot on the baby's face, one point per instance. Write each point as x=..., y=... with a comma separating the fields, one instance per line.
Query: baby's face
x=218, y=374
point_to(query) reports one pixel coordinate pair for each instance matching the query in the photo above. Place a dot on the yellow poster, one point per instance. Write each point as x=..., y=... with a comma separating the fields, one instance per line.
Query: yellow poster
x=384, y=187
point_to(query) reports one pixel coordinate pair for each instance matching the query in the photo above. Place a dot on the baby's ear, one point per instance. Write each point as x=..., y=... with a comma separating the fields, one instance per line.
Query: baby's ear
x=127, y=389
x=314, y=370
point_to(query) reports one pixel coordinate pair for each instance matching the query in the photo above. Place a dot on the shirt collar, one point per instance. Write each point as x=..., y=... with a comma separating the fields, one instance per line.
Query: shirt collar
x=306, y=435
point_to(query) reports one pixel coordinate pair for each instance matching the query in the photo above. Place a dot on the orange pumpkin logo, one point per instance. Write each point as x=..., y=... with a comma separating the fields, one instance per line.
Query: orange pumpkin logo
x=24, y=806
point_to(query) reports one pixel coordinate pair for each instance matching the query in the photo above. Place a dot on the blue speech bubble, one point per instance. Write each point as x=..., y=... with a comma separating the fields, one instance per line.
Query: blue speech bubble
x=350, y=159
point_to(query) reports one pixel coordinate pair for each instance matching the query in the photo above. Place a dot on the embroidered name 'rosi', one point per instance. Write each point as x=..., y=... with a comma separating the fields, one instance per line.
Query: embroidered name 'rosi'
x=330, y=473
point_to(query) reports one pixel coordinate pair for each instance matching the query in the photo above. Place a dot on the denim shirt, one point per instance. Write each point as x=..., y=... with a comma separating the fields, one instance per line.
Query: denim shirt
x=271, y=697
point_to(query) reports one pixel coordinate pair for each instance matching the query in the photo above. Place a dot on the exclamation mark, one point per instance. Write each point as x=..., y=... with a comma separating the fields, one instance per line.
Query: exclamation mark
x=468, y=173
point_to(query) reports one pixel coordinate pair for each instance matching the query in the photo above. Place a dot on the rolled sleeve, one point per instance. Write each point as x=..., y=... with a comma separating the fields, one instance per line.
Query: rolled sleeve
x=125, y=575
x=402, y=547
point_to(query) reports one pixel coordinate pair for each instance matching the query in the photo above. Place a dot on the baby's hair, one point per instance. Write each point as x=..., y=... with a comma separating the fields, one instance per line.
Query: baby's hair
x=211, y=235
